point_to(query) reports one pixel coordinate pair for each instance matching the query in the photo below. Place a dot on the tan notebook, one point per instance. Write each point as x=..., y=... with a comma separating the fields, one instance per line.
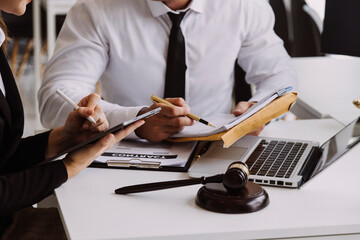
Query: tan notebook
x=274, y=109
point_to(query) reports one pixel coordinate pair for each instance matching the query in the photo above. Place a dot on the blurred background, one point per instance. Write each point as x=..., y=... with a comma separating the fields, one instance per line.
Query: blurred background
x=298, y=22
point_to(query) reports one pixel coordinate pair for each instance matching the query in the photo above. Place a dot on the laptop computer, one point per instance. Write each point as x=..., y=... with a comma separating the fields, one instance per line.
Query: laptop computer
x=276, y=161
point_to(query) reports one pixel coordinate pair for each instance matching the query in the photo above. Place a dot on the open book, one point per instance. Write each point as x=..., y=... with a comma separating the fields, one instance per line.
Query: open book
x=224, y=122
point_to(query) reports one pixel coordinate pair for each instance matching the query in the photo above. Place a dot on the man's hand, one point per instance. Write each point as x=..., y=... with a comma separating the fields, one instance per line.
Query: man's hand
x=170, y=120
x=240, y=108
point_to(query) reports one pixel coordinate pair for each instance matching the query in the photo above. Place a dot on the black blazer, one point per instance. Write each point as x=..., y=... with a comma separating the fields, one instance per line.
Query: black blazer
x=22, y=181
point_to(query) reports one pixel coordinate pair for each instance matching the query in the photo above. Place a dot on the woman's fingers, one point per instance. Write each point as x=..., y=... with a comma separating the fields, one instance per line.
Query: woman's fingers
x=126, y=131
x=83, y=157
x=99, y=116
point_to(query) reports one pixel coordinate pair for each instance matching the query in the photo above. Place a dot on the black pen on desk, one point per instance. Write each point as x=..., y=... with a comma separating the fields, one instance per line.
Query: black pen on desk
x=72, y=103
x=156, y=99
x=203, y=150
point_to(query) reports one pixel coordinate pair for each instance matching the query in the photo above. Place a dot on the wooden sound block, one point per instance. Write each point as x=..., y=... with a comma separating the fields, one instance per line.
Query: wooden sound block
x=215, y=197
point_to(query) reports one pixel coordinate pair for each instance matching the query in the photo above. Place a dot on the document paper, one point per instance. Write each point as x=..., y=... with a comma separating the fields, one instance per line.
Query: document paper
x=142, y=152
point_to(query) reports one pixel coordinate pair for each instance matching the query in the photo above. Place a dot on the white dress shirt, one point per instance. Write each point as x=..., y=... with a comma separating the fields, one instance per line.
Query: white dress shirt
x=123, y=43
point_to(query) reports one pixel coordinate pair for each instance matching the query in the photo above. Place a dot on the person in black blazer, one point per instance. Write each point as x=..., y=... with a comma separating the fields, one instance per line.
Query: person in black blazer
x=23, y=180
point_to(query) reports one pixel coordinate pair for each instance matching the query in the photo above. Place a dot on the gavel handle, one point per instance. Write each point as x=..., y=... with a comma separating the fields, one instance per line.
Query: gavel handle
x=168, y=184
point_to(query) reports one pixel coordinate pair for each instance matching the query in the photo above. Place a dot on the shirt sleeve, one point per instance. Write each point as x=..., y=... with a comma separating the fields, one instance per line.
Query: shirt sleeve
x=79, y=60
x=262, y=55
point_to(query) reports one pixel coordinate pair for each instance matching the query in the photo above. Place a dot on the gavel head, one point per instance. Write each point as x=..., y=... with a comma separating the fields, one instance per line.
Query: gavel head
x=236, y=177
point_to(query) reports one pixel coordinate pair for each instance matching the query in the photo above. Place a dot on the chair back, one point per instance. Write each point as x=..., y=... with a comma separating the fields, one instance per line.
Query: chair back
x=19, y=26
x=298, y=26
x=307, y=35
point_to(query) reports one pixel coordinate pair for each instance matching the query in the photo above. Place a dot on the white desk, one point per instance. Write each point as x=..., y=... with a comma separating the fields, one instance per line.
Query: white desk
x=325, y=207
x=328, y=85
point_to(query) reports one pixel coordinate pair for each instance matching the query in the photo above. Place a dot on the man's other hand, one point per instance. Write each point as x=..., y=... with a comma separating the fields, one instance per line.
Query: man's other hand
x=240, y=108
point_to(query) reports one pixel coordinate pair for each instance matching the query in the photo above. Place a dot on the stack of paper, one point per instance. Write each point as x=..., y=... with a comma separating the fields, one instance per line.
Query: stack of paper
x=224, y=122
x=240, y=126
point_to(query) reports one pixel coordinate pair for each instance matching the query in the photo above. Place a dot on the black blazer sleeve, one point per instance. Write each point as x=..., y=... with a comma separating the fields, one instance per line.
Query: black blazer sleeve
x=23, y=182
x=30, y=151
x=27, y=187
x=22, y=186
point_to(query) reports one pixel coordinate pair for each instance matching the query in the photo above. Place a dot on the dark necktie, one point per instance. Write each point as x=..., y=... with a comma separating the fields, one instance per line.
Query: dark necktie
x=176, y=66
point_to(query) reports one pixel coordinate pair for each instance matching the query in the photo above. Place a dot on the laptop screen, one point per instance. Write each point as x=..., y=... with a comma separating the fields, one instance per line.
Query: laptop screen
x=339, y=144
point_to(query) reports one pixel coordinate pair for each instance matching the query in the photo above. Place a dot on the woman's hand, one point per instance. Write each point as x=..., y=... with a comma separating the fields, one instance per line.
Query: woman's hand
x=80, y=159
x=77, y=128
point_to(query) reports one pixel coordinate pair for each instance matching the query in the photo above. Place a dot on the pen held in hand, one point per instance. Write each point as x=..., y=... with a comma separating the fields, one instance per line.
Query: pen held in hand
x=72, y=103
x=156, y=99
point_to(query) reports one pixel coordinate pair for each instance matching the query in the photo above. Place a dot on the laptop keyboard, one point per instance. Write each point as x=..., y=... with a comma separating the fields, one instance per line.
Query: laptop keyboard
x=275, y=158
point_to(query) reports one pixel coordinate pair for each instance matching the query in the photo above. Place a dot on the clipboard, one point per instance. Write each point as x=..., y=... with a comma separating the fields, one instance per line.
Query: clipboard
x=102, y=134
x=142, y=155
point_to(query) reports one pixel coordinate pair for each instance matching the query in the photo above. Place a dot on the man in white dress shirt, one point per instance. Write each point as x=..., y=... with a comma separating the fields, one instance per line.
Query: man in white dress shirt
x=124, y=45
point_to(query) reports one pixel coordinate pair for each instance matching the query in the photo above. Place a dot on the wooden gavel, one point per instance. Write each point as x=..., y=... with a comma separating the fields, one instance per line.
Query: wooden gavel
x=234, y=179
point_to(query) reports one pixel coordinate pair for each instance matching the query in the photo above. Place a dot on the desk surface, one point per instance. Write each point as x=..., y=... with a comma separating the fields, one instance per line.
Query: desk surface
x=327, y=205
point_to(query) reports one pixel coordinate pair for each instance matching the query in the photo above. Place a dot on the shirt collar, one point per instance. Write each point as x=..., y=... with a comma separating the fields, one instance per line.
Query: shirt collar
x=158, y=8
x=2, y=37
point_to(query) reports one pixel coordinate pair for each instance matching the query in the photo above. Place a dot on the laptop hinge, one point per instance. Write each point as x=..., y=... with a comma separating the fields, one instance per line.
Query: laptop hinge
x=310, y=164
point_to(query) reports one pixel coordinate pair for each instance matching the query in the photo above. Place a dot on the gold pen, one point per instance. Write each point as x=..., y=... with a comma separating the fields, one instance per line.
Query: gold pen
x=156, y=99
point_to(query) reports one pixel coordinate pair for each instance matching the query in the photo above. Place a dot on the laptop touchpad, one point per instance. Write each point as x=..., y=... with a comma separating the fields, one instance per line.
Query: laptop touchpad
x=217, y=158
x=233, y=153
